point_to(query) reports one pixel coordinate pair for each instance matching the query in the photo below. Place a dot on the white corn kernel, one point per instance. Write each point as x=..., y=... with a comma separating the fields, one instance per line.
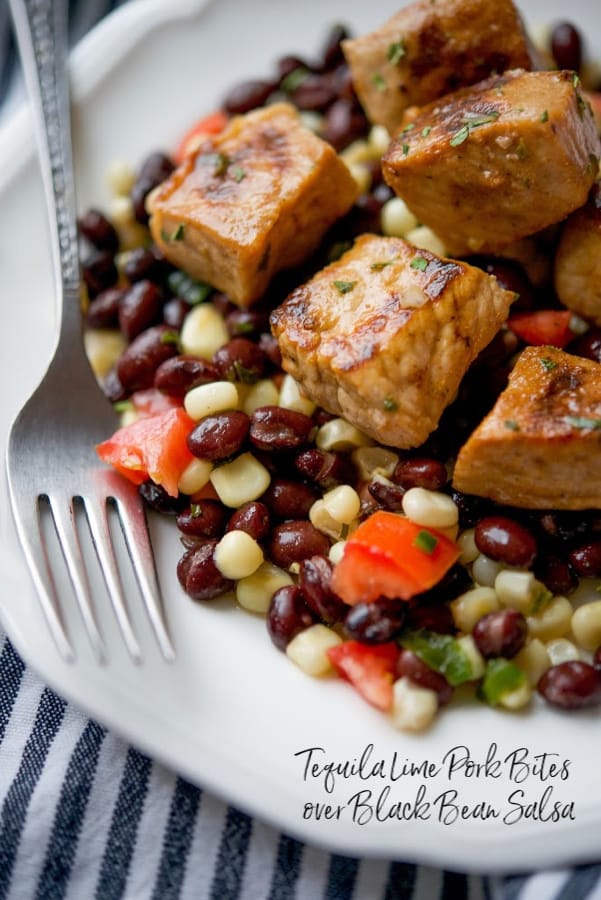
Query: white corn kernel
x=208, y=399
x=378, y=140
x=467, y=544
x=430, y=508
x=396, y=219
x=311, y=120
x=120, y=177
x=553, y=621
x=518, y=698
x=342, y=503
x=586, y=625
x=121, y=211
x=424, y=238
x=263, y=393
x=292, y=397
x=561, y=650
x=321, y=519
x=467, y=643
x=336, y=552
x=485, y=570
x=103, y=349
x=308, y=649
x=469, y=607
x=533, y=660
x=203, y=331
x=195, y=476
x=413, y=707
x=240, y=481
x=357, y=152
x=372, y=460
x=518, y=590
x=338, y=434
x=361, y=175
x=237, y=555
x=254, y=592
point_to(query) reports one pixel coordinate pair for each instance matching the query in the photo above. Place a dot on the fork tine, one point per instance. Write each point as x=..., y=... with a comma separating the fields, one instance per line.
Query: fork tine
x=63, y=515
x=96, y=513
x=135, y=530
x=28, y=525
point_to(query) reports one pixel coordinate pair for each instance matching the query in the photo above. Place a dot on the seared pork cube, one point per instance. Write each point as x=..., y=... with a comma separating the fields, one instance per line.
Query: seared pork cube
x=489, y=165
x=254, y=200
x=429, y=49
x=384, y=335
x=578, y=260
x=540, y=446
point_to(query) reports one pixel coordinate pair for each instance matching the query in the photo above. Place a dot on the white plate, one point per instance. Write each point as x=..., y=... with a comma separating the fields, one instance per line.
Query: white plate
x=232, y=712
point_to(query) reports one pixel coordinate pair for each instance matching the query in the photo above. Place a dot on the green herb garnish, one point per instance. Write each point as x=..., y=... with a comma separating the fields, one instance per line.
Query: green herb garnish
x=178, y=234
x=405, y=149
x=511, y=425
x=238, y=174
x=196, y=510
x=245, y=375
x=191, y=291
x=426, y=131
x=408, y=127
x=344, y=287
x=426, y=541
x=390, y=404
x=219, y=161
x=294, y=79
x=379, y=81
x=170, y=337
x=471, y=121
x=584, y=423
x=548, y=364
x=396, y=52
x=545, y=116
x=378, y=266
x=420, y=263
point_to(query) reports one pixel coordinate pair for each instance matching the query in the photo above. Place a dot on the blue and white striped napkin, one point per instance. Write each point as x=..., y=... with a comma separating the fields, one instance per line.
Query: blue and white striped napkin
x=83, y=816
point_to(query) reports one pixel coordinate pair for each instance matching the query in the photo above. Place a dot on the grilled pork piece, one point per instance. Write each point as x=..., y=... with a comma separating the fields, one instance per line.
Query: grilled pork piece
x=254, y=200
x=578, y=260
x=489, y=165
x=541, y=444
x=429, y=49
x=384, y=335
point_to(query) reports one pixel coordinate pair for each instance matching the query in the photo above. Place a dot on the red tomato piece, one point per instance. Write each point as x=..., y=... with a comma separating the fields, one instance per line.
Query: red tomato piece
x=151, y=402
x=391, y=556
x=152, y=447
x=212, y=124
x=370, y=669
x=544, y=327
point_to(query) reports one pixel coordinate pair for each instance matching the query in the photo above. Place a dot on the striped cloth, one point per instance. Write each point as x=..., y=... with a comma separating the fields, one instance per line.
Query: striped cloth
x=82, y=815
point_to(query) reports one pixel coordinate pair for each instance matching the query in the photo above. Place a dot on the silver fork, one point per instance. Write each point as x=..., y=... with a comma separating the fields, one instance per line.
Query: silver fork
x=52, y=467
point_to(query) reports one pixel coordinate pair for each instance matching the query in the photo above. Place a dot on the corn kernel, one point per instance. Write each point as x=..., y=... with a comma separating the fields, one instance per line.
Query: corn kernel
x=208, y=399
x=485, y=570
x=240, y=481
x=553, y=621
x=103, y=349
x=121, y=211
x=357, y=152
x=254, y=592
x=342, y=503
x=263, y=393
x=533, y=660
x=203, y=331
x=361, y=175
x=321, y=519
x=396, y=219
x=519, y=590
x=378, y=140
x=469, y=550
x=336, y=552
x=468, y=645
x=469, y=607
x=237, y=555
x=308, y=650
x=372, y=460
x=413, y=707
x=195, y=476
x=424, y=238
x=430, y=508
x=338, y=434
x=120, y=177
x=586, y=625
x=292, y=397
x=561, y=650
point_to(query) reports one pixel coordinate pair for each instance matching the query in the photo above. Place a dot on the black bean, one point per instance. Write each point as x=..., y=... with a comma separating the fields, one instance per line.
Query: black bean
x=571, y=685
x=332, y=54
x=289, y=499
x=344, y=123
x=204, y=519
x=314, y=93
x=388, y=496
x=103, y=311
x=506, y=541
x=597, y=659
x=456, y=581
x=98, y=271
x=270, y=347
x=566, y=46
x=420, y=471
x=376, y=622
x=112, y=388
x=296, y=540
x=556, y=574
x=500, y=633
x=325, y=468
x=588, y=345
x=586, y=559
x=240, y=360
x=253, y=518
x=141, y=263
x=138, y=363
x=155, y=169
x=97, y=229
x=219, y=436
x=198, y=574
x=246, y=322
x=511, y=276
x=158, y=499
x=288, y=615
x=410, y=666
x=140, y=307
x=471, y=508
x=174, y=312
x=315, y=578
x=179, y=374
x=246, y=96
x=432, y=617
x=276, y=428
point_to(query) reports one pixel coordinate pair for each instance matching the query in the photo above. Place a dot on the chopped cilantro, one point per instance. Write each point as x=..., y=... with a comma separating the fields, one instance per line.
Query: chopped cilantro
x=344, y=287
x=390, y=404
x=405, y=149
x=170, y=337
x=545, y=116
x=219, y=162
x=426, y=541
x=584, y=423
x=294, y=79
x=378, y=266
x=511, y=425
x=238, y=174
x=548, y=364
x=396, y=52
x=196, y=510
x=471, y=121
x=191, y=291
x=426, y=131
x=420, y=263
x=460, y=136
x=178, y=234
x=244, y=374
x=408, y=127
x=379, y=81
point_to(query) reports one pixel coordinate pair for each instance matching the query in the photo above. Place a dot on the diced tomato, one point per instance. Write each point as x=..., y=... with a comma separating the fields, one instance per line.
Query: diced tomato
x=151, y=402
x=212, y=124
x=152, y=447
x=391, y=556
x=370, y=669
x=542, y=328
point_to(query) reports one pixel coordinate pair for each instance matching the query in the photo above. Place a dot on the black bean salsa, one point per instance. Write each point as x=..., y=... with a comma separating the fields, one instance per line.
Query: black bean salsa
x=273, y=487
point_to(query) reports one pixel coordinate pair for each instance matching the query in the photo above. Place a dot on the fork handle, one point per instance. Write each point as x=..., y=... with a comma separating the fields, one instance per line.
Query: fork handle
x=41, y=33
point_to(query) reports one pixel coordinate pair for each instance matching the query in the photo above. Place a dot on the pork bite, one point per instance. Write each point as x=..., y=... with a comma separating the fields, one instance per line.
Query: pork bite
x=489, y=165
x=254, y=200
x=578, y=260
x=540, y=446
x=428, y=49
x=384, y=335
